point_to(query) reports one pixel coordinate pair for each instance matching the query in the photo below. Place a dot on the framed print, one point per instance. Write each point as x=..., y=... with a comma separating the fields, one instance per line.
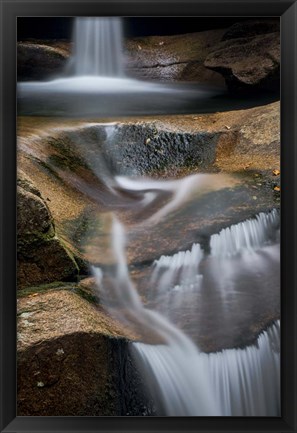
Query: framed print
x=148, y=221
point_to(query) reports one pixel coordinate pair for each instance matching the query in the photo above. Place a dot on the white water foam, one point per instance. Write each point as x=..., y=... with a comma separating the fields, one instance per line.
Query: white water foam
x=245, y=236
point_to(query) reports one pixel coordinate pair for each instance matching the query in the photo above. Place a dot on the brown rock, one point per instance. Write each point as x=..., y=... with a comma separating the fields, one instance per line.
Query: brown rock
x=73, y=360
x=41, y=256
x=234, y=142
x=166, y=58
x=248, y=62
x=34, y=218
x=172, y=58
x=45, y=262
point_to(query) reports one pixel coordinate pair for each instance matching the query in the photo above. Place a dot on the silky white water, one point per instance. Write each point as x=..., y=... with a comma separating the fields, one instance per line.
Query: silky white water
x=185, y=382
x=182, y=266
x=98, y=47
x=248, y=235
x=182, y=380
x=209, y=292
x=244, y=382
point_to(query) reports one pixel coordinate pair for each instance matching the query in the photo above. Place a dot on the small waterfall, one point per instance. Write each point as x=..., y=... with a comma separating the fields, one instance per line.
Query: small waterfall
x=248, y=380
x=178, y=271
x=248, y=235
x=245, y=381
x=186, y=390
x=177, y=378
x=98, y=47
x=95, y=72
x=182, y=380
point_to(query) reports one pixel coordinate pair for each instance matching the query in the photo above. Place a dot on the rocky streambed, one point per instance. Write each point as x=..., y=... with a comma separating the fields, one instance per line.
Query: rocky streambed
x=73, y=355
x=67, y=344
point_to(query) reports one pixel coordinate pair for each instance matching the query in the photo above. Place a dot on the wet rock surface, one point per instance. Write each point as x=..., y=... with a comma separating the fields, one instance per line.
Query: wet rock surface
x=242, y=145
x=245, y=143
x=167, y=58
x=73, y=356
x=73, y=360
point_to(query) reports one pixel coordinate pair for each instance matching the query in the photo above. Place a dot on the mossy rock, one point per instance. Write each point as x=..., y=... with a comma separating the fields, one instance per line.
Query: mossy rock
x=42, y=258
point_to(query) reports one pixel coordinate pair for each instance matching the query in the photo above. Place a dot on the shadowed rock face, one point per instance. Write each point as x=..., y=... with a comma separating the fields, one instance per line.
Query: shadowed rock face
x=73, y=360
x=40, y=61
x=41, y=256
x=248, y=57
x=172, y=58
x=251, y=28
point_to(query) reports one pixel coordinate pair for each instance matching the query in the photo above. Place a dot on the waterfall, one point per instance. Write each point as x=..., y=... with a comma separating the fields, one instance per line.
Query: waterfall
x=181, y=267
x=94, y=83
x=249, y=249
x=182, y=380
x=98, y=47
x=245, y=381
x=248, y=235
x=186, y=390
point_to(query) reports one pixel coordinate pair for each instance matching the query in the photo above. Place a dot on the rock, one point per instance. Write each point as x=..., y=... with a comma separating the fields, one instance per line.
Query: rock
x=73, y=360
x=178, y=146
x=44, y=263
x=245, y=29
x=248, y=59
x=34, y=218
x=39, y=60
x=41, y=256
x=172, y=58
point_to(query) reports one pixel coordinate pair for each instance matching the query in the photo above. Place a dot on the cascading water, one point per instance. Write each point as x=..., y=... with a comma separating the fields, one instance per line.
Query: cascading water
x=244, y=382
x=179, y=385
x=183, y=265
x=192, y=351
x=98, y=47
x=183, y=380
x=248, y=235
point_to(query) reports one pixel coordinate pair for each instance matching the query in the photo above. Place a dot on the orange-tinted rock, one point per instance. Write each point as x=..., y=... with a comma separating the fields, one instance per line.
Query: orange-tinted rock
x=41, y=256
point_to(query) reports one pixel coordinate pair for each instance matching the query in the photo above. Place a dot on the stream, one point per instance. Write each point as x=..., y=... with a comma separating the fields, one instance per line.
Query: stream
x=195, y=297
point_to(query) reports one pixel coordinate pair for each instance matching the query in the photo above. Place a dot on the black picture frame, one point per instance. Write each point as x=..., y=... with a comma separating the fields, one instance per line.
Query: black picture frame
x=287, y=11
